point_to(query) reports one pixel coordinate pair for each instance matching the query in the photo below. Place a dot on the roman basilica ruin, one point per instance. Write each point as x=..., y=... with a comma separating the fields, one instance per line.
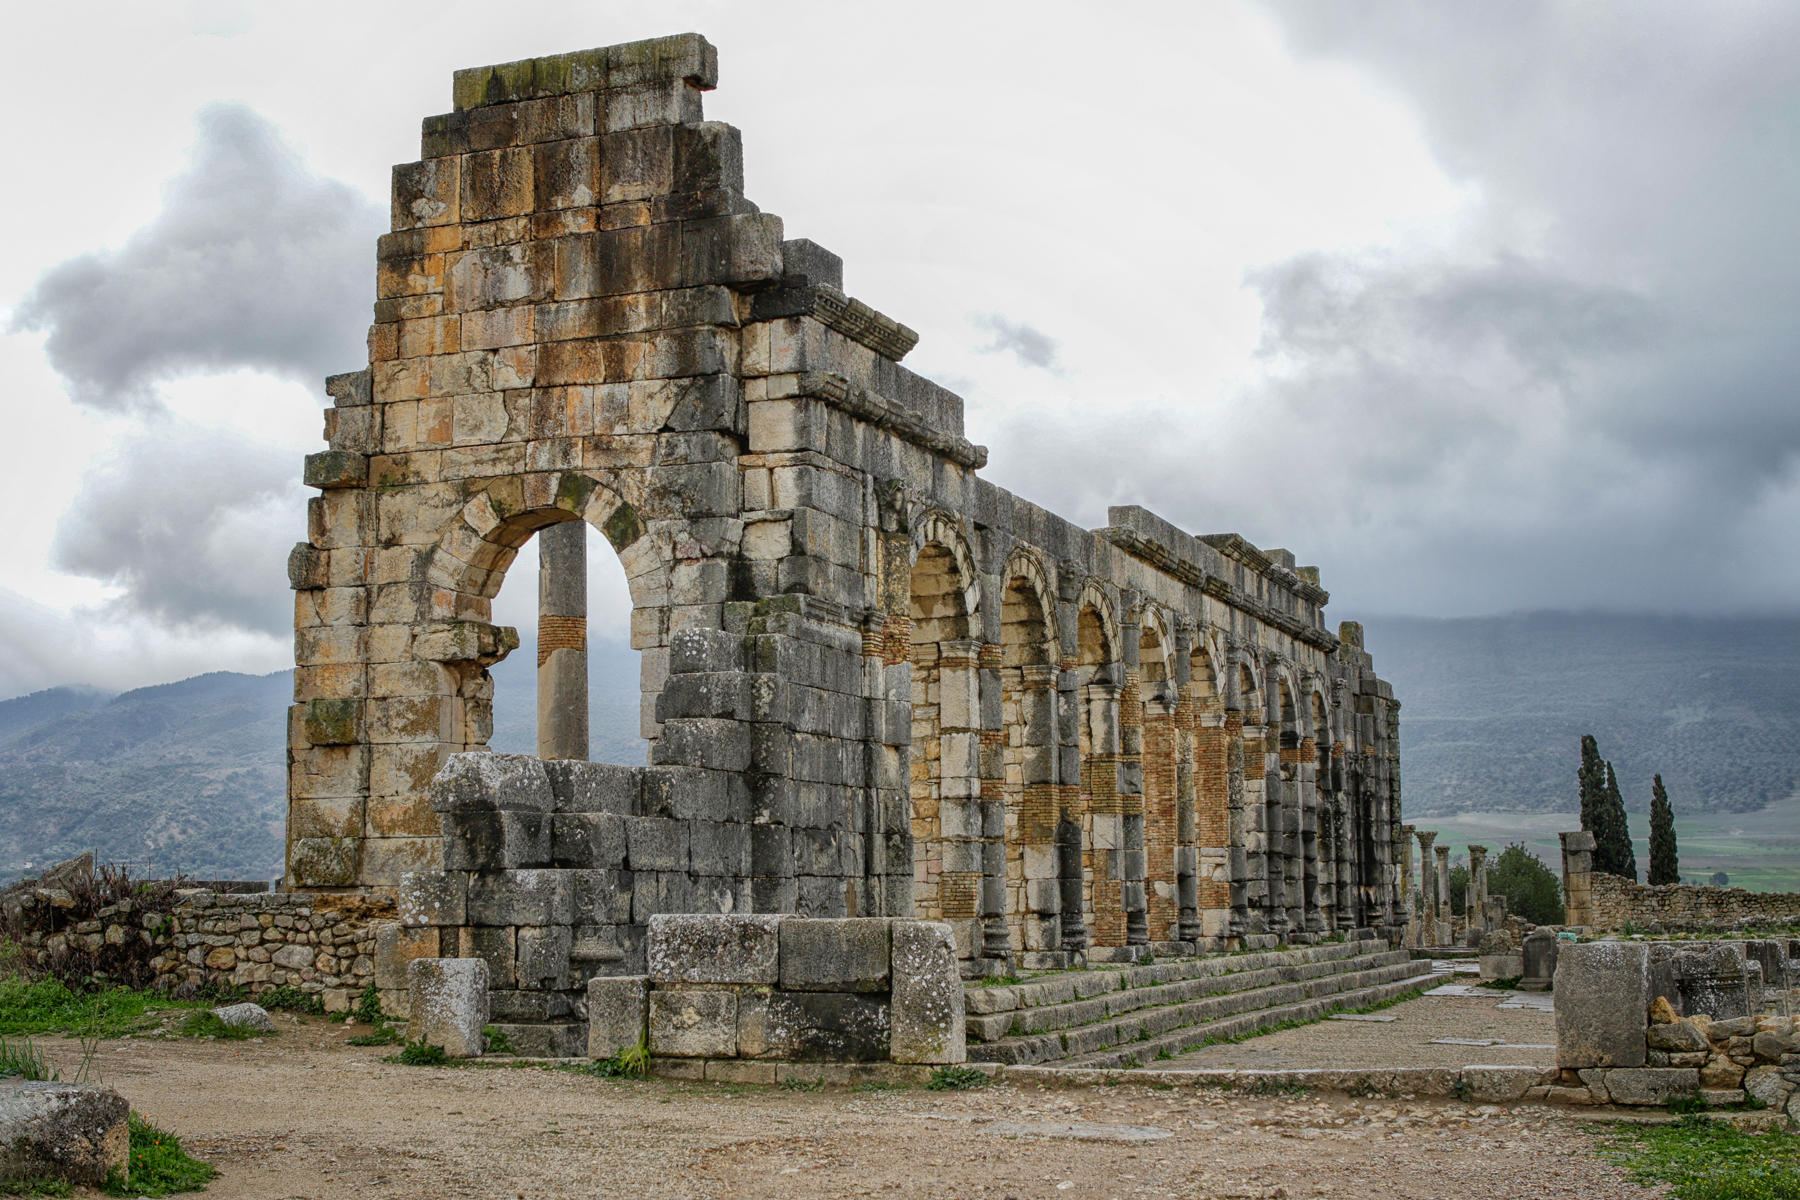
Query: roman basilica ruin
x=874, y=684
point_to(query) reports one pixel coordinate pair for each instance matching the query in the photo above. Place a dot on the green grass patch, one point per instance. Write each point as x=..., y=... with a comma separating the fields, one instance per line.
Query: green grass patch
x=48, y=1006
x=494, y=1040
x=157, y=1165
x=418, y=1054
x=997, y=981
x=381, y=1035
x=289, y=998
x=631, y=1063
x=37, y=1185
x=801, y=1085
x=955, y=1079
x=23, y=1060
x=208, y=1025
x=1708, y=1160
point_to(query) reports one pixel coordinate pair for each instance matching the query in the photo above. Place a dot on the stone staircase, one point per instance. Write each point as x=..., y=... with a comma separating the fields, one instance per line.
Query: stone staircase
x=1128, y=1015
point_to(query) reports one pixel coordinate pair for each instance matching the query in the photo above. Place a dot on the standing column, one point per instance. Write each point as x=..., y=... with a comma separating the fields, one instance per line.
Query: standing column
x=1187, y=807
x=1446, y=926
x=562, y=679
x=1275, y=800
x=1237, y=831
x=1131, y=779
x=1476, y=902
x=1428, y=924
x=1039, y=811
x=1404, y=843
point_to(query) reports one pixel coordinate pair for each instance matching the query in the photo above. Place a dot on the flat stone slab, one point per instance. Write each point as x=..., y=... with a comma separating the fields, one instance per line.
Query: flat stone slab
x=1071, y=1130
x=1381, y=1018
x=1538, y=1001
x=1491, y=1042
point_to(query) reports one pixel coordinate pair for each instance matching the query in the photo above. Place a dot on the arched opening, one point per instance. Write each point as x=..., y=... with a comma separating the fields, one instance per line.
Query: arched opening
x=945, y=790
x=1080, y=864
x=1028, y=750
x=574, y=688
x=1286, y=854
x=1212, y=812
x=1161, y=820
x=1259, y=833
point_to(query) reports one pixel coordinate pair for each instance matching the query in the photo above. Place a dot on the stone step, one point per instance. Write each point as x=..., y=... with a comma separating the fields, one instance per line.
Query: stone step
x=1095, y=1001
x=1063, y=987
x=1148, y=1022
x=1192, y=1037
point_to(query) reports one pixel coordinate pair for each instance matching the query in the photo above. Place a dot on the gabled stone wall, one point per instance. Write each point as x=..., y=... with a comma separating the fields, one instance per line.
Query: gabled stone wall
x=931, y=697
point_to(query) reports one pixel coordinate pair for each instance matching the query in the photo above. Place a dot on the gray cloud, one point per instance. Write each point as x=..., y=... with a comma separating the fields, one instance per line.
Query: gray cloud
x=1030, y=345
x=194, y=526
x=254, y=261
x=1587, y=398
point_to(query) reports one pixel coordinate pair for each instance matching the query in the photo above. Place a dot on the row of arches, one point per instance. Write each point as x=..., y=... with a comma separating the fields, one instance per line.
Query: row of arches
x=1135, y=781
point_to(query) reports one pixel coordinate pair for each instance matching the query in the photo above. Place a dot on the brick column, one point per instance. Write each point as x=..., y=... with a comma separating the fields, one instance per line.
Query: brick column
x=1578, y=878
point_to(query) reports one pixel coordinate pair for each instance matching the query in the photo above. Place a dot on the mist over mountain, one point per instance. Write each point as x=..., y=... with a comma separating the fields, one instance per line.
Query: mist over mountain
x=1493, y=708
x=190, y=776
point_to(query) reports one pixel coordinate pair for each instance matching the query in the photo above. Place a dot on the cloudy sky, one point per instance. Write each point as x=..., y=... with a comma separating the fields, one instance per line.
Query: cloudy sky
x=1480, y=308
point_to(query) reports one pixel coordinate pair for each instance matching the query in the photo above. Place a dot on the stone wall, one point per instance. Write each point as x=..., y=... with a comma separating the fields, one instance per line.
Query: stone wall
x=1682, y=907
x=729, y=997
x=935, y=698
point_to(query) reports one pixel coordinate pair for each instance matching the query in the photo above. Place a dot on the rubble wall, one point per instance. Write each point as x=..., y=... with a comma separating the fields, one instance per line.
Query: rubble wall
x=1682, y=907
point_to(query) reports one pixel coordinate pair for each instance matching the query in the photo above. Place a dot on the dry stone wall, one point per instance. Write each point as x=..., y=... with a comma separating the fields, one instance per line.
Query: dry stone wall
x=1682, y=907
x=874, y=683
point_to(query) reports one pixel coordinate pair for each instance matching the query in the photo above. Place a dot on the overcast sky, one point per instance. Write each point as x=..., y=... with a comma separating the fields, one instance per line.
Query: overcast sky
x=1478, y=307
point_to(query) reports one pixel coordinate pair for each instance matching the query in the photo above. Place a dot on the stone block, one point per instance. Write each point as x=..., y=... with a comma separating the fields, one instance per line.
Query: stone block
x=498, y=948
x=601, y=897
x=656, y=844
x=703, y=948
x=431, y=898
x=1650, y=1085
x=449, y=1004
x=522, y=898
x=618, y=1013
x=550, y=1039
x=1601, y=1000
x=1677, y=1037
x=719, y=850
x=591, y=787
x=825, y=1027
x=1767, y=1085
x=587, y=839
x=695, y=794
x=511, y=1004
x=324, y=862
x=72, y=1131
x=927, y=994
x=693, y=1023
x=396, y=946
x=842, y=955
x=543, y=957
x=486, y=782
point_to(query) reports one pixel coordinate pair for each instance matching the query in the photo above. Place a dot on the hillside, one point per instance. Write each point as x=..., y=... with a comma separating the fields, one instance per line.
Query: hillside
x=189, y=775
x=1494, y=708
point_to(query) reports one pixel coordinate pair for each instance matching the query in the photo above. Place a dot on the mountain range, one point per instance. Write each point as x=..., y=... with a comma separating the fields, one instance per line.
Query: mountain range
x=189, y=776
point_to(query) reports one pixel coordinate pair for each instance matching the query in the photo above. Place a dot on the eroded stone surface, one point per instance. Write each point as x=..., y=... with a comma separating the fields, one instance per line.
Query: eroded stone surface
x=69, y=1131
x=449, y=1004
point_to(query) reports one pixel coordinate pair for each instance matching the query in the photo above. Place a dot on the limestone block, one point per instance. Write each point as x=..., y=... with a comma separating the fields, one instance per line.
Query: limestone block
x=1601, y=1000
x=702, y=948
x=587, y=839
x=1502, y=966
x=591, y=787
x=1771, y=1045
x=618, y=1012
x=1650, y=1085
x=543, y=957
x=1679, y=1037
x=927, y=997
x=1721, y=1072
x=834, y=955
x=1499, y=1085
x=449, y=1004
x=522, y=898
x=820, y=1027
x=71, y=1131
x=656, y=844
x=498, y=948
x=249, y=1016
x=1767, y=1085
x=426, y=898
x=693, y=1023
x=396, y=946
x=497, y=841
x=486, y=782
x=337, y=469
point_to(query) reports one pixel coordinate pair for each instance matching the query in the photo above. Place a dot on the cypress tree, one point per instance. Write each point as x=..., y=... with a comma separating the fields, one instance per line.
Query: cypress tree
x=1612, y=849
x=1592, y=780
x=1665, y=867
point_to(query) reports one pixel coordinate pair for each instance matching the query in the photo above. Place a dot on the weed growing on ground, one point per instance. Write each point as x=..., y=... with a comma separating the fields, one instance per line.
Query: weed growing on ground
x=1163, y=1055
x=1708, y=1160
x=1509, y=983
x=37, y=1185
x=157, y=1165
x=382, y=1035
x=208, y=1025
x=23, y=1060
x=495, y=1041
x=955, y=1079
x=997, y=981
x=801, y=1085
x=418, y=1054
x=1681, y=1106
x=368, y=1006
x=289, y=998
x=631, y=1063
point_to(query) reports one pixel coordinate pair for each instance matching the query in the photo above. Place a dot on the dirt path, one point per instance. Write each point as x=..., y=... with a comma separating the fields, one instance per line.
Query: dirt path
x=303, y=1115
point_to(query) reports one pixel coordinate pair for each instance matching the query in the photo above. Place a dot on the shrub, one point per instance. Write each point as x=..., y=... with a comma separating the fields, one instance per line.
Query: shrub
x=632, y=1063
x=1531, y=889
x=368, y=1006
x=126, y=963
x=157, y=1165
x=955, y=1079
x=290, y=998
x=418, y=1054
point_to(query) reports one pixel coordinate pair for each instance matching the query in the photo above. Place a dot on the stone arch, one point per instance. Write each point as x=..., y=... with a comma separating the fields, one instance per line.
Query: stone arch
x=1097, y=631
x=1159, y=765
x=1028, y=672
x=943, y=756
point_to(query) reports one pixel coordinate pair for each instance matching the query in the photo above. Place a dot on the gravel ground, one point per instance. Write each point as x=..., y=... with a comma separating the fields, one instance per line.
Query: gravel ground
x=1409, y=1040
x=303, y=1115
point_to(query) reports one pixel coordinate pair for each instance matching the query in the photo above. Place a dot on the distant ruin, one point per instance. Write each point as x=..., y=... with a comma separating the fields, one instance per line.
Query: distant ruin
x=874, y=684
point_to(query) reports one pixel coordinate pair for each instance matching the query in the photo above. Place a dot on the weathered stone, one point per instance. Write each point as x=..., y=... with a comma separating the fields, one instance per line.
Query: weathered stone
x=1662, y=1013
x=927, y=997
x=618, y=1012
x=1651, y=1085
x=1677, y=1036
x=827, y=955
x=432, y=898
x=825, y=1027
x=687, y=1022
x=1600, y=1004
x=492, y=783
x=1721, y=1072
x=1771, y=1045
x=1766, y=1085
x=715, y=949
x=246, y=1016
x=71, y=1131
x=449, y=1004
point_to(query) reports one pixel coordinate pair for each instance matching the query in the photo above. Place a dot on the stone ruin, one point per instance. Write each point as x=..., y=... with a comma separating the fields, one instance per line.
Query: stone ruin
x=874, y=684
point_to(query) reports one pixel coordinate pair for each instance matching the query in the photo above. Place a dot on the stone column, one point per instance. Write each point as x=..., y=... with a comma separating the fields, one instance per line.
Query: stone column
x=562, y=678
x=1476, y=903
x=1446, y=925
x=996, y=939
x=1187, y=805
x=1275, y=801
x=1039, y=811
x=1578, y=878
x=1307, y=787
x=1237, y=828
x=1131, y=780
x=1404, y=843
x=1428, y=909
x=1105, y=825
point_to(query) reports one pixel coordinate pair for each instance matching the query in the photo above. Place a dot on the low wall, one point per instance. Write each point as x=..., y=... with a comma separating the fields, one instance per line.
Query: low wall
x=751, y=991
x=1618, y=902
